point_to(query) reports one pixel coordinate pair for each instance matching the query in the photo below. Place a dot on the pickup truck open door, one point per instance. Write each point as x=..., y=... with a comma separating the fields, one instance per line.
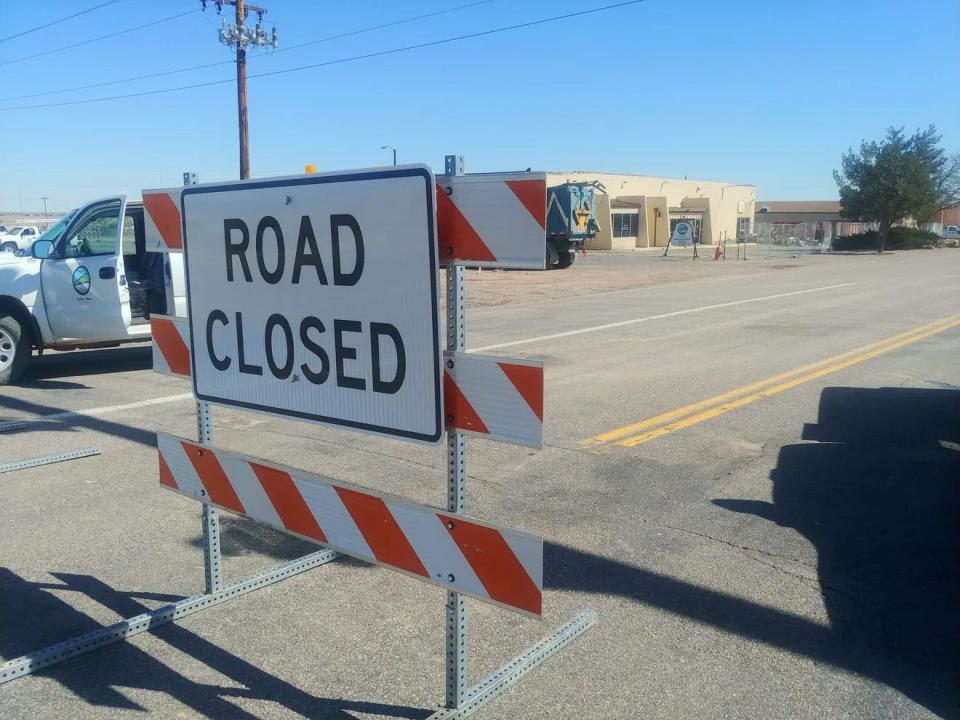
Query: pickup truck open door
x=83, y=281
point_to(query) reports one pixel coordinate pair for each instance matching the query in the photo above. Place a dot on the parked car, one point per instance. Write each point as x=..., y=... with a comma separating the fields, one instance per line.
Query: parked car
x=3, y=229
x=951, y=231
x=52, y=233
x=18, y=238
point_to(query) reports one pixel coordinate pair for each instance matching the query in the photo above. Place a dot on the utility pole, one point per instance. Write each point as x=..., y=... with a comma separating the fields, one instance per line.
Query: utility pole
x=44, y=198
x=239, y=36
x=242, y=96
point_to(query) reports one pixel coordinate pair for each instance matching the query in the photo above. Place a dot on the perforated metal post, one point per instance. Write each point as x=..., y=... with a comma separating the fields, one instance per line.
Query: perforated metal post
x=456, y=657
x=209, y=518
x=48, y=459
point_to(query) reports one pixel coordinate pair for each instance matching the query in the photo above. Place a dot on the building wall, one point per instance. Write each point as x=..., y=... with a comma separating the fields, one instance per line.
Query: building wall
x=723, y=204
x=950, y=215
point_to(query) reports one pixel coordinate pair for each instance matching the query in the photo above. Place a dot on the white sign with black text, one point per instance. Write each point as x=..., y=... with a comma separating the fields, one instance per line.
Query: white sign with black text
x=315, y=297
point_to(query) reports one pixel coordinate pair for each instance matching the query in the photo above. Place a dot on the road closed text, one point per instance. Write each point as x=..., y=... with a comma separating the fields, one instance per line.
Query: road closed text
x=353, y=353
x=315, y=297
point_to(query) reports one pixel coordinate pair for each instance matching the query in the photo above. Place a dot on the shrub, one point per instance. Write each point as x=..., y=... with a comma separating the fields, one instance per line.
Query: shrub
x=899, y=238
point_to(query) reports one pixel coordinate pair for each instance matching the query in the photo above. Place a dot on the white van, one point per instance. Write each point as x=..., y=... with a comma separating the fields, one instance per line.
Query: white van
x=86, y=282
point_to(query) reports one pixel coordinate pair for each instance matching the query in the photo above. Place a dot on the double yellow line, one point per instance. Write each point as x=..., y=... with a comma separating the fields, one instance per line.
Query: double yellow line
x=698, y=412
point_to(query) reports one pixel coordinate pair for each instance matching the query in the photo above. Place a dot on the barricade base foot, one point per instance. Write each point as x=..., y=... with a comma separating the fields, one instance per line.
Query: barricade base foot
x=39, y=659
x=505, y=676
x=49, y=459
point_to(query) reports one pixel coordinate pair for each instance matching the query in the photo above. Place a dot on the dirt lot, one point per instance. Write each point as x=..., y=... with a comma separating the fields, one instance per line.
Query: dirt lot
x=605, y=272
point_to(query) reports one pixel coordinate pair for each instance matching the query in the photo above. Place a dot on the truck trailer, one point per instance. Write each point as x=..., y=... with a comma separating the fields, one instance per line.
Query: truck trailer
x=571, y=220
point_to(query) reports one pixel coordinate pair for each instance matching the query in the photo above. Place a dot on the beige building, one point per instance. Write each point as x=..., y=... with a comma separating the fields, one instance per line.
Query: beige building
x=638, y=211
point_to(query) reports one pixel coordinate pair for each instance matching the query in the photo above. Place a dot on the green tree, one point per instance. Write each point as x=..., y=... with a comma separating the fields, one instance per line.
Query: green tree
x=885, y=182
x=944, y=172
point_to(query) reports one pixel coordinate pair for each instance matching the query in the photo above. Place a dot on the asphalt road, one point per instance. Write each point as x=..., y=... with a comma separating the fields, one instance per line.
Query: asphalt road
x=750, y=473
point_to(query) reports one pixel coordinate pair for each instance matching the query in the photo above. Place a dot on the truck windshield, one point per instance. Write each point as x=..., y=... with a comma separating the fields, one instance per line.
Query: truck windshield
x=54, y=232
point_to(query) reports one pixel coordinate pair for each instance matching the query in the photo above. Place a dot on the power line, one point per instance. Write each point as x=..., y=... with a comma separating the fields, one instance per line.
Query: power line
x=381, y=27
x=230, y=62
x=121, y=81
x=60, y=20
x=101, y=37
x=339, y=61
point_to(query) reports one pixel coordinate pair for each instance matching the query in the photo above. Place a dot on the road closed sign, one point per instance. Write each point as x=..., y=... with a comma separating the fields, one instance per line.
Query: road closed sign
x=315, y=297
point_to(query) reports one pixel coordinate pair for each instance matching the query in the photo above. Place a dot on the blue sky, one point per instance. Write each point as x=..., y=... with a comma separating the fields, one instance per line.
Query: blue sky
x=763, y=92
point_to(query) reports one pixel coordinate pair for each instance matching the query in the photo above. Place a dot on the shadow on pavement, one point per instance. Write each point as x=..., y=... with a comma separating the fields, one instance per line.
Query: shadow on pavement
x=88, y=362
x=35, y=614
x=41, y=376
x=71, y=423
x=878, y=497
x=240, y=536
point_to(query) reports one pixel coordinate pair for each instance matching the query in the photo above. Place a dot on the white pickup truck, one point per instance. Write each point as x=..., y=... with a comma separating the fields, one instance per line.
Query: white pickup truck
x=18, y=238
x=87, y=282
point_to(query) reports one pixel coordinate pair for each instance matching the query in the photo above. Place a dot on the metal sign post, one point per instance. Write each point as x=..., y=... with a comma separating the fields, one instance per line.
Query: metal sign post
x=456, y=656
x=209, y=519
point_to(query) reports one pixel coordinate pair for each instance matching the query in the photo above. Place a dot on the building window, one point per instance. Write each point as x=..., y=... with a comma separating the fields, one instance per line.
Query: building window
x=625, y=224
x=743, y=227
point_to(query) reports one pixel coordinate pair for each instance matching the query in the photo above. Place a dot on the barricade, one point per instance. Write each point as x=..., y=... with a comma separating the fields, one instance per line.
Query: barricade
x=496, y=398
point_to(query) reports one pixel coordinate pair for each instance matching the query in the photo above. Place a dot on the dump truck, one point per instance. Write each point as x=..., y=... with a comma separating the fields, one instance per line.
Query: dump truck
x=571, y=220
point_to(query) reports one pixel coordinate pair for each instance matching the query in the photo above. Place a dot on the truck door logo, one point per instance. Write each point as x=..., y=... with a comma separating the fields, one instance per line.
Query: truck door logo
x=81, y=280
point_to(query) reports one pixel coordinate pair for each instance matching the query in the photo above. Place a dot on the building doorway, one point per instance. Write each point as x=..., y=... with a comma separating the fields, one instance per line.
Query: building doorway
x=694, y=221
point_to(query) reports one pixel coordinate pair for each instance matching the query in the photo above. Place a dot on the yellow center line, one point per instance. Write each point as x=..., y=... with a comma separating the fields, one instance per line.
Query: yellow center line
x=656, y=420
x=677, y=419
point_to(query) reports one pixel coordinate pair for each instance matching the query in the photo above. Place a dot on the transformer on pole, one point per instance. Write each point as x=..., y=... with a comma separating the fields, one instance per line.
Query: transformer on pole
x=238, y=36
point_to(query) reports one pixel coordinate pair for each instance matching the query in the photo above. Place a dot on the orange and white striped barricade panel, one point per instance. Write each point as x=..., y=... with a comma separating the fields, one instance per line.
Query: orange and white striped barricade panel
x=162, y=224
x=495, y=220
x=171, y=345
x=494, y=397
x=494, y=564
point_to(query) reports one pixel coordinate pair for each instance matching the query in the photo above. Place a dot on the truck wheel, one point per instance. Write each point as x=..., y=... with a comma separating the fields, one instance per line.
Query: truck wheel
x=552, y=257
x=9, y=247
x=566, y=259
x=15, y=349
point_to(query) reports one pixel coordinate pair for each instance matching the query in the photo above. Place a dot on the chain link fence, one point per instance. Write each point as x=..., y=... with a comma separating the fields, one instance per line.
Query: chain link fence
x=810, y=238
